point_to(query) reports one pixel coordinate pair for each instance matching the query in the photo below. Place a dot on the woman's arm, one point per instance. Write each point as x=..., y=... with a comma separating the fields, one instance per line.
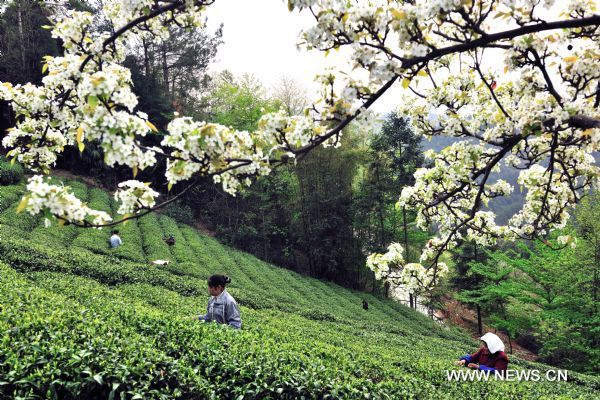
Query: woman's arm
x=471, y=358
x=232, y=315
x=206, y=317
x=466, y=358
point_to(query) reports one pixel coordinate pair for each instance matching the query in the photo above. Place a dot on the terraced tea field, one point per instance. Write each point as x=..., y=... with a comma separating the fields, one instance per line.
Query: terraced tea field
x=81, y=321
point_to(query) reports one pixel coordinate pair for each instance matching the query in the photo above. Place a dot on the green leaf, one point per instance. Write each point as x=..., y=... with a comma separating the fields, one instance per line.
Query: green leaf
x=23, y=204
x=92, y=101
x=98, y=378
x=79, y=138
x=151, y=126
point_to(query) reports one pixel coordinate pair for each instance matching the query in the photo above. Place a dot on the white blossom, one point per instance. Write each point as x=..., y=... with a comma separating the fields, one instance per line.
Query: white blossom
x=59, y=202
x=135, y=195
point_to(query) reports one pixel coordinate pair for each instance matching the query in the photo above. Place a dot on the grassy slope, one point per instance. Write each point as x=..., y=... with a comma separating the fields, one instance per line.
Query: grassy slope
x=81, y=321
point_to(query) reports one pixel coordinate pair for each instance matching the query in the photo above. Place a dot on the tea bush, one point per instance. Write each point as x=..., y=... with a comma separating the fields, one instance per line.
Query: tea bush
x=10, y=173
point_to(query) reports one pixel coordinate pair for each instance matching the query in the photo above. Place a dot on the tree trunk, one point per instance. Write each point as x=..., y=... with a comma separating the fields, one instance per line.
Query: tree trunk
x=479, y=325
x=411, y=300
x=265, y=241
x=405, y=227
x=596, y=281
x=373, y=282
x=146, y=58
x=174, y=92
x=165, y=68
x=305, y=219
x=382, y=241
x=22, y=39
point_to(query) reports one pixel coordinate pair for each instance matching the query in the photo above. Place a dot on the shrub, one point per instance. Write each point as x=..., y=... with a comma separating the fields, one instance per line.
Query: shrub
x=66, y=355
x=180, y=212
x=24, y=221
x=10, y=173
x=317, y=315
x=27, y=256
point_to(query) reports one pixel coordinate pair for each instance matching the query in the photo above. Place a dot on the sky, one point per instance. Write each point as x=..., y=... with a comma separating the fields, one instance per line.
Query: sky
x=261, y=37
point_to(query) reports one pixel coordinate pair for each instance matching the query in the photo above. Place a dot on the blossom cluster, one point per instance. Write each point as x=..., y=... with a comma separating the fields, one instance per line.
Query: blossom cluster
x=413, y=277
x=57, y=201
x=520, y=119
x=135, y=195
x=229, y=155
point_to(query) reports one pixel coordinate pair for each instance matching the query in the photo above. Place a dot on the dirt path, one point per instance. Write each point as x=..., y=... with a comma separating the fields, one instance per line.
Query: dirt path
x=459, y=314
x=69, y=175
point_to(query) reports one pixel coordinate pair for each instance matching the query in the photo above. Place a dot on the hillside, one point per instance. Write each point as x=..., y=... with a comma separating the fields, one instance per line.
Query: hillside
x=79, y=320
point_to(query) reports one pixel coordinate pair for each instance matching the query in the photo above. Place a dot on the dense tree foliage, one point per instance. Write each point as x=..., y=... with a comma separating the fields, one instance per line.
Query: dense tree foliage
x=394, y=154
x=171, y=75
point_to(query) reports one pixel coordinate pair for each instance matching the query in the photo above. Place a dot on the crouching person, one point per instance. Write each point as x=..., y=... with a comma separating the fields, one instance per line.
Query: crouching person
x=490, y=357
x=221, y=308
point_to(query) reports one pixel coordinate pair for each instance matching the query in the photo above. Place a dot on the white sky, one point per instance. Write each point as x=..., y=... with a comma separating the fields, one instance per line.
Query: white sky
x=261, y=36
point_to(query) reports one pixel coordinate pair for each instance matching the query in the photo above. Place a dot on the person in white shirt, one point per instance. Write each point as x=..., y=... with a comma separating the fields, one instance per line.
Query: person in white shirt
x=222, y=307
x=115, y=239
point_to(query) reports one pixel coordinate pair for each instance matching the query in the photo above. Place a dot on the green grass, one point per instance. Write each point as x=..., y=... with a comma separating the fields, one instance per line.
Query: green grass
x=79, y=320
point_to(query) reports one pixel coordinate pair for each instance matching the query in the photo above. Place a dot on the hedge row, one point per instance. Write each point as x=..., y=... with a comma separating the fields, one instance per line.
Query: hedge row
x=152, y=239
x=26, y=256
x=10, y=195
